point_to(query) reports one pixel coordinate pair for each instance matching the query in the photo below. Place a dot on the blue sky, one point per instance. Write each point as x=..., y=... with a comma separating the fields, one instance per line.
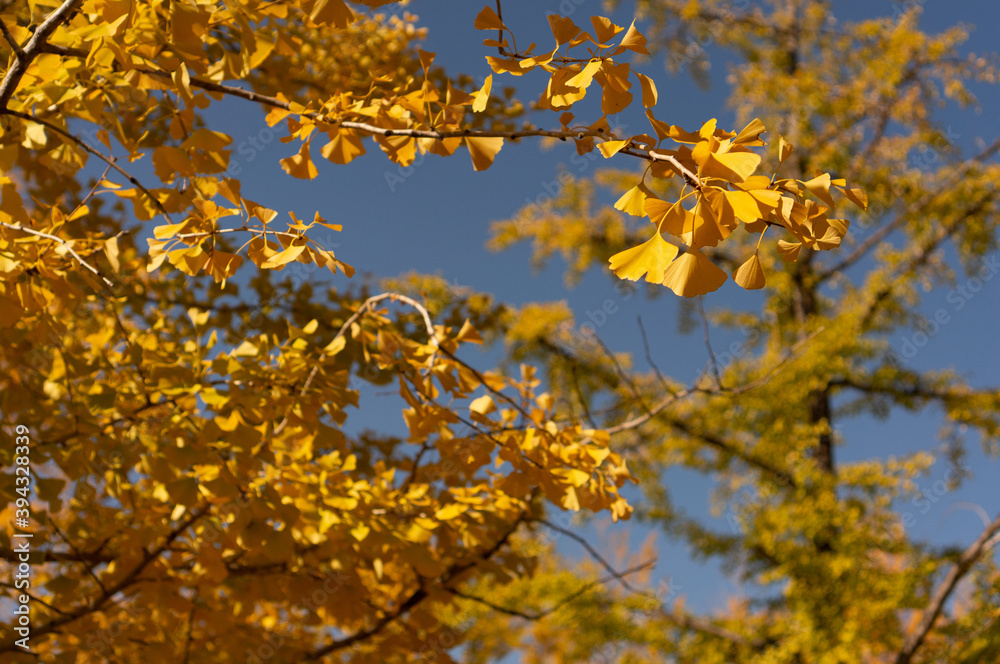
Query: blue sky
x=436, y=220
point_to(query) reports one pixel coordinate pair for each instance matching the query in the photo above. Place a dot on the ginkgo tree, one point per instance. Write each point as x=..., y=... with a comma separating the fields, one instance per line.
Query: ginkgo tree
x=194, y=494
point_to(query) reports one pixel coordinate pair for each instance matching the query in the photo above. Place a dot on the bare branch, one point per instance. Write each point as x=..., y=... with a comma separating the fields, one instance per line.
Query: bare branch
x=649, y=358
x=708, y=343
x=955, y=574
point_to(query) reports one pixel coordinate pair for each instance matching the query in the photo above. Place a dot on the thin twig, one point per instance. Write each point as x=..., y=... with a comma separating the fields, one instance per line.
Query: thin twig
x=649, y=358
x=362, y=310
x=713, y=363
x=637, y=150
x=955, y=574
x=18, y=51
x=593, y=554
x=110, y=161
x=69, y=248
x=912, y=212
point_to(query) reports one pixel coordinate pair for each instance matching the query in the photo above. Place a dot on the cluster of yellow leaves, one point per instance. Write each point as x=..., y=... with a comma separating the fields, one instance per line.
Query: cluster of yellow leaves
x=719, y=166
x=191, y=245
x=719, y=169
x=570, y=77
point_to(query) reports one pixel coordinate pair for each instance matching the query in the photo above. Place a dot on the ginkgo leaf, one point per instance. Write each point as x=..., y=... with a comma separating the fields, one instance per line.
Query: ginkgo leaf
x=484, y=405
x=604, y=29
x=611, y=148
x=750, y=275
x=487, y=19
x=650, y=258
x=856, y=196
x=661, y=128
x=451, y=511
x=482, y=96
x=633, y=200
x=563, y=29
x=731, y=166
x=693, y=274
x=582, y=79
x=426, y=58
x=300, y=165
x=331, y=12
x=206, y=139
x=283, y=257
x=558, y=93
x=509, y=65
x=615, y=85
x=784, y=149
x=669, y=217
x=634, y=40
x=750, y=136
x=111, y=251
x=789, y=250
x=344, y=146
x=483, y=150
x=572, y=476
x=820, y=188
x=648, y=92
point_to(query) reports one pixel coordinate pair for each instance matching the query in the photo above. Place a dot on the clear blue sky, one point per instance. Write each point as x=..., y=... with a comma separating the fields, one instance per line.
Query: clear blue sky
x=437, y=220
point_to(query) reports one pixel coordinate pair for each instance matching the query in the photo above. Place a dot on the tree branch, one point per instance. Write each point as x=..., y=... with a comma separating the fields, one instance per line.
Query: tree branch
x=955, y=574
x=111, y=591
x=862, y=249
x=31, y=49
x=110, y=161
x=69, y=248
x=415, y=598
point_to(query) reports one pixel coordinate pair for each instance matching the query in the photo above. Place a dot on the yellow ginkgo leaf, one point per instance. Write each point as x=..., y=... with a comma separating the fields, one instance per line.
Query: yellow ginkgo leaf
x=585, y=76
x=820, y=188
x=487, y=19
x=563, y=29
x=483, y=95
x=604, y=29
x=671, y=218
x=335, y=12
x=789, y=251
x=559, y=93
x=615, y=85
x=651, y=258
x=634, y=41
x=300, y=165
x=451, y=511
x=856, y=196
x=730, y=166
x=282, y=257
x=632, y=201
x=343, y=147
x=751, y=134
x=483, y=150
x=611, y=148
x=784, y=149
x=648, y=91
x=692, y=274
x=750, y=275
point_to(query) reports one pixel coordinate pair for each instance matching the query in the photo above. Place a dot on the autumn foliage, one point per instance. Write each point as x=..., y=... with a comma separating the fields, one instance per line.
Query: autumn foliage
x=198, y=494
